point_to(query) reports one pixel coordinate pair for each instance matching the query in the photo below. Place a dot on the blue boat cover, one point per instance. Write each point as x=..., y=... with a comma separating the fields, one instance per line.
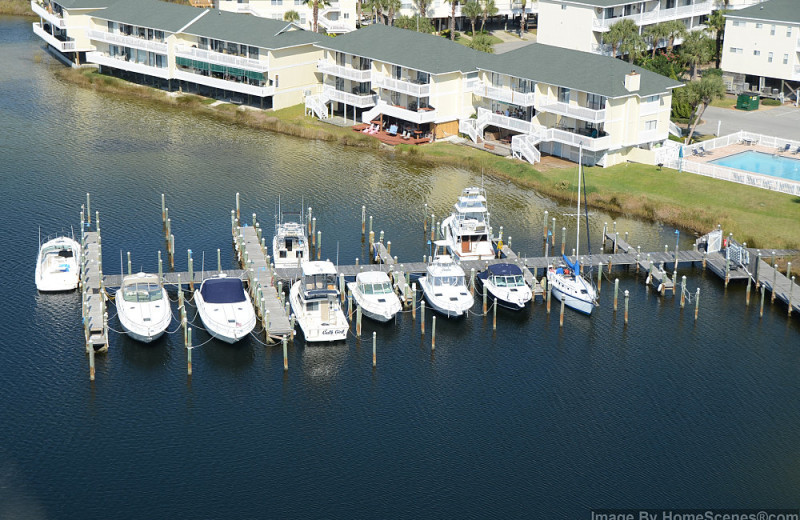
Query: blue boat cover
x=223, y=290
x=572, y=265
x=504, y=270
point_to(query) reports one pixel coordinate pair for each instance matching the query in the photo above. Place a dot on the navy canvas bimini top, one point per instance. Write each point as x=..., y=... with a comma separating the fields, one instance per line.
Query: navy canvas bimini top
x=223, y=290
x=504, y=270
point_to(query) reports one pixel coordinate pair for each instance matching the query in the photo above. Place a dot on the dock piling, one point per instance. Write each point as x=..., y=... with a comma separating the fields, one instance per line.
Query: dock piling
x=374, y=353
x=494, y=316
x=388, y=248
x=553, y=235
x=561, y=316
x=88, y=209
x=683, y=291
x=747, y=292
x=616, y=292
x=433, y=230
x=358, y=320
x=563, y=239
x=599, y=275
x=191, y=271
x=549, y=292
x=363, y=221
x=238, y=212
x=219, y=260
x=484, y=299
x=696, y=303
x=160, y=268
x=433, y=333
x=472, y=281
x=129, y=263
x=319, y=245
x=314, y=231
x=370, y=225
x=791, y=290
x=422, y=316
x=163, y=209
x=189, y=351
x=414, y=301
x=546, y=213
x=761, y=309
x=627, y=294
x=285, y=355
x=774, y=278
x=605, y=229
x=309, y=220
x=171, y=251
x=91, y=346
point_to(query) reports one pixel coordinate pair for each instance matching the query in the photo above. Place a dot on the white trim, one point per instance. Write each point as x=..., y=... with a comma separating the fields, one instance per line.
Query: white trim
x=182, y=29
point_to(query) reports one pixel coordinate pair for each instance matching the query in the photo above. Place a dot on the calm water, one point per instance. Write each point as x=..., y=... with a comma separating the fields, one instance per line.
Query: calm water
x=764, y=163
x=530, y=422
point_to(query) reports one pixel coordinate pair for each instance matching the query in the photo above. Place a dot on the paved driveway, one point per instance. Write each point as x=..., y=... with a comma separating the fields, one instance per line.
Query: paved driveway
x=783, y=121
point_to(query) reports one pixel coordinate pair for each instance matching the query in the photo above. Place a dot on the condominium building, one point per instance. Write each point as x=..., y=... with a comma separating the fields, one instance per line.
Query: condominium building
x=249, y=60
x=761, y=50
x=583, y=25
x=338, y=17
x=542, y=98
x=409, y=78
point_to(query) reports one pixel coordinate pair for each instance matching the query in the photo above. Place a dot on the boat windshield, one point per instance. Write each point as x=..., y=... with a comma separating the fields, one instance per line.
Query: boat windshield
x=509, y=281
x=319, y=282
x=453, y=281
x=376, y=288
x=142, y=292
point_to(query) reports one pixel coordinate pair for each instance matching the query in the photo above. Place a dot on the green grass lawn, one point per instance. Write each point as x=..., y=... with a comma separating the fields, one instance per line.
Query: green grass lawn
x=727, y=102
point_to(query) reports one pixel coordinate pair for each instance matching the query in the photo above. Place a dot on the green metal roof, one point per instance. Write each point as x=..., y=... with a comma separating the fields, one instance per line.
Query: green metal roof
x=152, y=14
x=83, y=4
x=423, y=52
x=577, y=70
x=251, y=30
x=772, y=11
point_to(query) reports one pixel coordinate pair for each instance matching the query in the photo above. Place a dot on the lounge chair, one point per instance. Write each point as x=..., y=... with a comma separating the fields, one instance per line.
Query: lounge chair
x=392, y=130
x=797, y=151
x=696, y=153
x=785, y=148
x=703, y=151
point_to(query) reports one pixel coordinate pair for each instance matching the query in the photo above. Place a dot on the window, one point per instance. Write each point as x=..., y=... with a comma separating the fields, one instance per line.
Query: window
x=651, y=99
x=789, y=32
x=756, y=53
x=346, y=16
x=563, y=7
x=772, y=31
x=563, y=94
x=253, y=53
x=736, y=50
x=112, y=27
x=769, y=58
x=758, y=25
x=651, y=125
x=736, y=23
x=785, y=59
x=276, y=2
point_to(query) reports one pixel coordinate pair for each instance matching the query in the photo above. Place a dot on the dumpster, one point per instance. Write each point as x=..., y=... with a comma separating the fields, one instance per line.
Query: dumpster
x=747, y=102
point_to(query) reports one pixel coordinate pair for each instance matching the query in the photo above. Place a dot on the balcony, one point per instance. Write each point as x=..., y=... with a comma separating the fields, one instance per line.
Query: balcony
x=565, y=109
x=128, y=41
x=224, y=84
x=62, y=46
x=572, y=138
x=402, y=86
x=797, y=45
x=356, y=100
x=487, y=117
x=412, y=116
x=341, y=71
x=648, y=109
x=796, y=75
x=120, y=63
x=53, y=18
x=506, y=95
x=218, y=58
x=657, y=15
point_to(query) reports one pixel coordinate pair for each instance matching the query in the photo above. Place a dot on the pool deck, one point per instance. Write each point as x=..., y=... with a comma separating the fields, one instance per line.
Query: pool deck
x=727, y=151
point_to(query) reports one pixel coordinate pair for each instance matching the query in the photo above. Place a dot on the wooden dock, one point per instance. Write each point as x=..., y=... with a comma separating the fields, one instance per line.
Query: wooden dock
x=780, y=287
x=93, y=305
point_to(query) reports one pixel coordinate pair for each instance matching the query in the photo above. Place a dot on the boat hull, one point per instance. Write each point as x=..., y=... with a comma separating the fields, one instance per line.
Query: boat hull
x=381, y=312
x=160, y=318
x=227, y=334
x=54, y=273
x=505, y=301
x=580, y=305
x=443, y=305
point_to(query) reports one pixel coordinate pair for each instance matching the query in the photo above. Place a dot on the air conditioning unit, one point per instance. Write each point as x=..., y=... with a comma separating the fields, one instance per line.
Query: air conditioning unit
x=307, y=92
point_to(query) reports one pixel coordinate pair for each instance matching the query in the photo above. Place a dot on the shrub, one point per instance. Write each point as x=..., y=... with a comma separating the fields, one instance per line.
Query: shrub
x=446, y=34
x=771, y=102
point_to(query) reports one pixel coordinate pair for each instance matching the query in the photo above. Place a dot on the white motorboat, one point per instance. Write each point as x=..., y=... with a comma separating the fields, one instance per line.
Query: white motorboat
x=57, y=265
x=565, y=281
x=315, y=303
x=289, y=245
x=467, y=231
x=505, y=283
x=372, y=290
x=143, y=307
x=444, y=285
x=225, y=308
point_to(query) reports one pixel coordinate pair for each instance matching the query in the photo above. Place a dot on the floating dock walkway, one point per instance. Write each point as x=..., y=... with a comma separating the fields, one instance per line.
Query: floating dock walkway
x=93, y=303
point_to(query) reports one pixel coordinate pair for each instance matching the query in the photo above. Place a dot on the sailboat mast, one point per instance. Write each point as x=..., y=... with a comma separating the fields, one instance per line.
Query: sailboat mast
x=578, y=237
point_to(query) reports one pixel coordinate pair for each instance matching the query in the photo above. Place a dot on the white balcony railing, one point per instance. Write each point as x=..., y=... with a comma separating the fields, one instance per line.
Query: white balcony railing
x=128, y=41
x=233, y=86
x=402, y=86
x=350, y=73
x=119, y=63
x=356, y=100
x=219, y=58
x=506, y=95
x=487, y=117
x=565, y=109
x=797, y=72
x=594, y=144
x=657, y=15
x=53, y=18
x=470, y=84
x=68, y=46
x=419, y=117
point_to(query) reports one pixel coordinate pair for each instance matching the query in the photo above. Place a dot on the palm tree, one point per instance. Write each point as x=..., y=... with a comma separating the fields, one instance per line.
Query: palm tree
x=696, y=50
x=291, y=16
x=392, y=6
x=633, y=45
x=522, y=25
x=422, y=7
x=315, y=5
x=654, y=34
x=489, y=10
x=701, y=94
x=675, y=29
x=716, y=24
x=472, y=10
x=453, y=4
x=621, y=32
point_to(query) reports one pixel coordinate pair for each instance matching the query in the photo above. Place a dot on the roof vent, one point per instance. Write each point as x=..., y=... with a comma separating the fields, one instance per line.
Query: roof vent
x=632, y=80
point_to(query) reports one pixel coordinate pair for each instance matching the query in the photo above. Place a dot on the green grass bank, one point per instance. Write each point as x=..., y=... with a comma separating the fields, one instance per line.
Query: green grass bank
x=15, y=8
x=759, y=217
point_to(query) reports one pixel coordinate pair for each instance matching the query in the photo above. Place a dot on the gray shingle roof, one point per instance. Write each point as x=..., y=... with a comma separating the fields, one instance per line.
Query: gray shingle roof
x=250, y=30
x=424, y=52
x=153, y=14
x=577, y=70
x=83, y=4
x=773, y=11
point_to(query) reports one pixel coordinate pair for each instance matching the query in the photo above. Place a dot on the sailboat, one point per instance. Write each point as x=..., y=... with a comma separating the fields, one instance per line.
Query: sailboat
x=566, y=282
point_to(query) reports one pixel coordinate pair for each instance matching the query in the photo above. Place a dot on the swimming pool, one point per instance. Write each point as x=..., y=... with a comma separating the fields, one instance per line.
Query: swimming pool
x=763, y=163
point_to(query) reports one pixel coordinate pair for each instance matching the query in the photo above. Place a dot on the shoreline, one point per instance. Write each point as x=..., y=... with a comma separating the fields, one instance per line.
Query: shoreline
x=691, y=202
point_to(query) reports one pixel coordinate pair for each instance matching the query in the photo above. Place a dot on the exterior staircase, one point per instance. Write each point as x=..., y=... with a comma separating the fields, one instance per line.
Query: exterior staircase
x=523, y=146
x=316, y=105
